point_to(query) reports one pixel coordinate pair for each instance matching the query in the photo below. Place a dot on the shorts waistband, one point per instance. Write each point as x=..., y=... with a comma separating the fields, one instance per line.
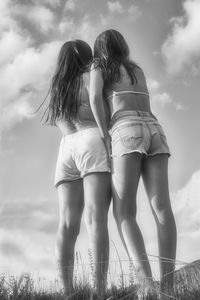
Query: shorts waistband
x=81, y=132
x=131, y=113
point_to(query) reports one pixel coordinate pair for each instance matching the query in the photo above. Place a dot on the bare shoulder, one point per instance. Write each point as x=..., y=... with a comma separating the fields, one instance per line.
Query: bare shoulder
x=139, y=72
x=140, y=76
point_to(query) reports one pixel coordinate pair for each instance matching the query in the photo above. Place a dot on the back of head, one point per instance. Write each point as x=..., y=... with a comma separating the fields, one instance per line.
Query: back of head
x=73, y=60
x=111, y=44
x=75, y=55
x=110, y=52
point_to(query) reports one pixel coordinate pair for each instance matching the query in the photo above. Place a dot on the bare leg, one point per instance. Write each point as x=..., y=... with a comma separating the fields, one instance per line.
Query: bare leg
x=155, y=176
x=70, y=210
x=97, y=193
x=125, y=183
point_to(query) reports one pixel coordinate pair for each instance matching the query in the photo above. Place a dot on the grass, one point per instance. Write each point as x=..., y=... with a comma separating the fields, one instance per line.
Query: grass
x=24, y=288
x=186, y=287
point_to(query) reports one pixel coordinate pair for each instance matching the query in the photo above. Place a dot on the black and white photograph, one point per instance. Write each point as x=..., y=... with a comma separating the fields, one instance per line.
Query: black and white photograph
x=99, y=149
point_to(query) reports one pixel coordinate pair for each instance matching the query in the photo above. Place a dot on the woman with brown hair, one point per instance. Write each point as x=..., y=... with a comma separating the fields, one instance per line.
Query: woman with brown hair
x=138, y=146
x=83, y=168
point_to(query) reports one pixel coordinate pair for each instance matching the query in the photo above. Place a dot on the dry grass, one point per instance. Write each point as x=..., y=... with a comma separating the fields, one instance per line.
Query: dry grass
x=186, y=287
x=187, y=282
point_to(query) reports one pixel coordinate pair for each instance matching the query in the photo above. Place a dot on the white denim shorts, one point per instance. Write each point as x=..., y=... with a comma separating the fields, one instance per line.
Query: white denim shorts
x=79, y=154
x=137, y=131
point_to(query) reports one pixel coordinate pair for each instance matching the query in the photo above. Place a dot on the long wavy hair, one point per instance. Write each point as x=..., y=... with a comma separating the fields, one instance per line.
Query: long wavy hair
x=110, y=52
x=73, y=60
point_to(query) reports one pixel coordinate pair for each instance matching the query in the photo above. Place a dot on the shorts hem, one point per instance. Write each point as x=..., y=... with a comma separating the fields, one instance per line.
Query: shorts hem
x=65, y=181
x=108, y=170
x=142, y=153
x=157, y=153
x=129, y=152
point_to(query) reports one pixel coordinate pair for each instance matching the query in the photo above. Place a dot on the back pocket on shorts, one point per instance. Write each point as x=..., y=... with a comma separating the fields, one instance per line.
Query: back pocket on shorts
x=162, y=134
x=131, y=136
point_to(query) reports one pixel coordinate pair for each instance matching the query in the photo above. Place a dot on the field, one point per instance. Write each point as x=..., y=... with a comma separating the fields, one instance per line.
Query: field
x=186, y=286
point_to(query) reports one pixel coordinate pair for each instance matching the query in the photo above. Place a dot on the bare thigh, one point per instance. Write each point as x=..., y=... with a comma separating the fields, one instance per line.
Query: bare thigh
x=155, y=177
x=97, y=193
x=125, y=179
x=71, y=203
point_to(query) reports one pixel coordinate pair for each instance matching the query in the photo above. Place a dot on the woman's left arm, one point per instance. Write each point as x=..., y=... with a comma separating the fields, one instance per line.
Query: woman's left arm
x=97, y=105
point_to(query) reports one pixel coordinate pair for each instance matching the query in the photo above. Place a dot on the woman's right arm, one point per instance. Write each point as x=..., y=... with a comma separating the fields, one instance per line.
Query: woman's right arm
x=97, y=105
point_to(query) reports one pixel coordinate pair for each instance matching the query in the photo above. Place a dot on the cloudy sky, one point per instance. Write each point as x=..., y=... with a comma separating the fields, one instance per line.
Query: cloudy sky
x=164, y=39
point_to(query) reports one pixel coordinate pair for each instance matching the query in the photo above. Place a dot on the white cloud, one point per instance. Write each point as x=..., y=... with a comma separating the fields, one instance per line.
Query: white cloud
x=52, y=3
x=134, y=12
x=195, y=69
x=186, y=206
x=131, y=13
x=159, y=98
x=81, y=30
x=13, y=13
x=32, y=64
x=37, y=216
x=28, y=252
x=188, y=197
x=66, y=26
x=6, y=21
x=115, y=7
x=162, y=99
x=152, y=84
x=26, y=70
x=180, y=106
x=182, y=47
x=42, y=17
x=19, y=94
x=11, y=44
x=85, y=30
x=70, y=5
x=15, y=111
x=105, y=19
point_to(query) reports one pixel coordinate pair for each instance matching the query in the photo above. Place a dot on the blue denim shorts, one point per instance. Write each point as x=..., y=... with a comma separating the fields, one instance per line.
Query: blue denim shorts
x=137, y=131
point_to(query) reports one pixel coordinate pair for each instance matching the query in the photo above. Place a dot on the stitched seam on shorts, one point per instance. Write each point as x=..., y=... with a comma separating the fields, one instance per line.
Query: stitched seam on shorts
x=162, y=136
x=150, y=133
x=141, y=151
x=96, y=170
x=139, y=137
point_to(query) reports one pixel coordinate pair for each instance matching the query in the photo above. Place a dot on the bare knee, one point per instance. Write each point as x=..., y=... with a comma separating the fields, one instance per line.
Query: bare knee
x=95, y=217
x=123, y=211
x=69, y=229
x=161, y=209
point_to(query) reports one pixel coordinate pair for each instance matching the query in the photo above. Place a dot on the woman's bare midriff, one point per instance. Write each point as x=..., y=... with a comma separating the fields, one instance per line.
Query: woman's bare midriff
x=129, y=102
x=84, y=121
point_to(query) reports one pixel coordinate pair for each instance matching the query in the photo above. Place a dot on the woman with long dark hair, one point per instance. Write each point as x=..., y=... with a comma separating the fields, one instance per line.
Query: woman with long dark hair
x=139, y=147
x=83, y=168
